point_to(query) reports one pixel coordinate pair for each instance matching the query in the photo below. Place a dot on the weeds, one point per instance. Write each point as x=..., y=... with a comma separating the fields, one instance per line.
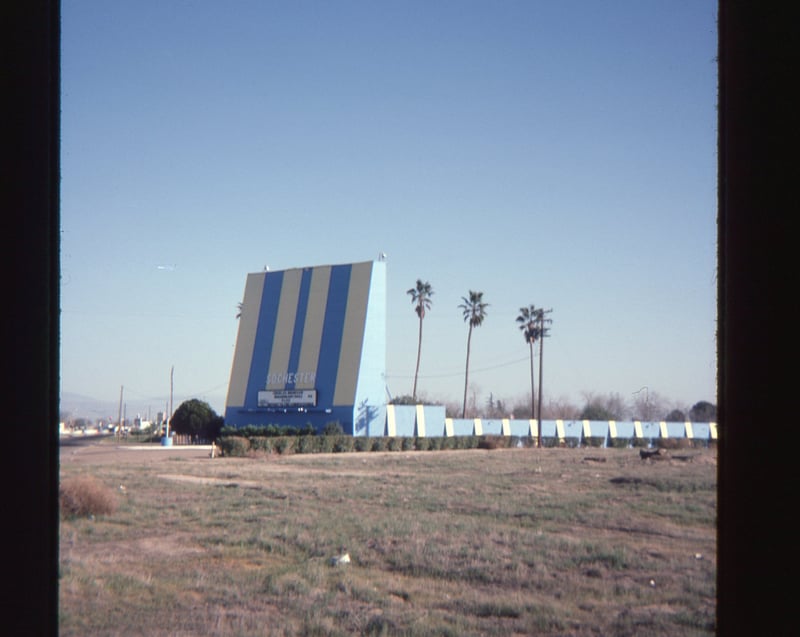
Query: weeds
x=83, y=495
x=451, y=543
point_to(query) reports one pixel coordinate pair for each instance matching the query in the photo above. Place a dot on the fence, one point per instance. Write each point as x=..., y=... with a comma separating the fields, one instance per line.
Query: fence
x=184, y=440
x=429, y=421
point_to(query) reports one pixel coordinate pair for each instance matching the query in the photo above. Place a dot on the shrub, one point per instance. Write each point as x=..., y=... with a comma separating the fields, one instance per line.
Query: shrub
x=487, y=443
x=309, y=444
x=285, y=445
x=234, y=446
x=471, y=442
x=333, y=429
x=262, y=443
x=423, y=444
x=362, y=443
x=394, y=444
x=449, y=442
x=343, y=444
x=595, y=441
x=673, y=443
x=85, y=496
x=408, y=444
x=327, y=443
x=434, y=444
x=380, y=444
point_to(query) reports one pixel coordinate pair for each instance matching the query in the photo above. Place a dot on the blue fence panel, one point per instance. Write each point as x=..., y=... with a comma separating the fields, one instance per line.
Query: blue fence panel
x=463, y=426
x=676, y=429
x=404, y=417
x=599, y=429
x=701, y=430
x=434, y=420
x=651, y=430
x=492, y=427
x=573, y=429
x=520, y=427
x=548, y=429
x=625, y=429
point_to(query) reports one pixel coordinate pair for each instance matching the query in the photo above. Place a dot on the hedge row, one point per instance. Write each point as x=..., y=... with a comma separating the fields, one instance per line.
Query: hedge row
x=243, y=445
x=239, y=446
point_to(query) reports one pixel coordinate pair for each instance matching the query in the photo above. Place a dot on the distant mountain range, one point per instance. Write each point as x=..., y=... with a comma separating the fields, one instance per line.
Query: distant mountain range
x=79, y=406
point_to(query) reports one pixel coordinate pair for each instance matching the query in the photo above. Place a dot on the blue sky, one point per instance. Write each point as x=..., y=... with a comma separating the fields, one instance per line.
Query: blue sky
x=561, y=154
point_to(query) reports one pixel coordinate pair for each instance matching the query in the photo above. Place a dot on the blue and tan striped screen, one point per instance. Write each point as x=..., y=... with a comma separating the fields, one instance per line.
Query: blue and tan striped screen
x=301, y=329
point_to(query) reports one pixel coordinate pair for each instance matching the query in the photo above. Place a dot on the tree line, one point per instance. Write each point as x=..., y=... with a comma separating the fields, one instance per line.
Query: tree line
x=532, y=321
x=534, y=324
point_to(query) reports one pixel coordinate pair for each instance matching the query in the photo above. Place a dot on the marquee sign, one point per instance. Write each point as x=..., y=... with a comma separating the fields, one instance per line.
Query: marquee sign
x=287, y=398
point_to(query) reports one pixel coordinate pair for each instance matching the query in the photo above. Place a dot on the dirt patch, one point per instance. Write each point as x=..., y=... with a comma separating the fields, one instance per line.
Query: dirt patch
x=107, y=452
x=247, y=484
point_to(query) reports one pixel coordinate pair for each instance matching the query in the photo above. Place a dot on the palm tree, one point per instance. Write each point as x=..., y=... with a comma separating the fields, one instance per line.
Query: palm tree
x=474, y=310
x=421, y=298
x=528, y=324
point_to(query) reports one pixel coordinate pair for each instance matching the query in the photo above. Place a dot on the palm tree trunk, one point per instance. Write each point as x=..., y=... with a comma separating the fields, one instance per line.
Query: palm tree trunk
x=419, y=352
x=466, y=375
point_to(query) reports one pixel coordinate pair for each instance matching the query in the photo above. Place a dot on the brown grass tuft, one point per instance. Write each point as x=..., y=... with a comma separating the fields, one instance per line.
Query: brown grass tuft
x=84, y=495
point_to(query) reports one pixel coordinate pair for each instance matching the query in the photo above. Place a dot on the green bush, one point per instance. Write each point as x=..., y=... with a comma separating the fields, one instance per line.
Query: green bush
x=595, y=441
x=362, y=443
x=309, y=444
x=272, y=431
x=380, y=444
x=394, y=444
x=487, y=442
x=327, y=443
x=408, y=444
x=343, y=444
x=623, y=443
x=285, y=445
x=423, y=443
x=262, y=443
x=333, y=428
x=449, y=442
x=234, y=446
x=434, y=444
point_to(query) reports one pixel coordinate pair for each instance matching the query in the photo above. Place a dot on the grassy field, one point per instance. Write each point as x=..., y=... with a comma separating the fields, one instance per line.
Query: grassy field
x=501, y=542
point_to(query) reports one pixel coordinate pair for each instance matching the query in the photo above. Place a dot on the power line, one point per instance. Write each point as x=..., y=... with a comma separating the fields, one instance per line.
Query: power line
x=461, y=372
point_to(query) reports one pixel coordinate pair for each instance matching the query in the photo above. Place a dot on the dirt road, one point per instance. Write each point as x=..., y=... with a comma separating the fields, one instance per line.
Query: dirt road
x=87, y=451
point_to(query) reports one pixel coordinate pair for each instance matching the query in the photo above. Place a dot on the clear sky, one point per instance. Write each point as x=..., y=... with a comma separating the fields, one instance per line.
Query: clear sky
x=561, y=154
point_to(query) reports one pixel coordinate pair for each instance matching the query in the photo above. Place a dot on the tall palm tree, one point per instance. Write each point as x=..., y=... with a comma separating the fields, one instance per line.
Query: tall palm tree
x=421, y=298
x=530, y=331
x=474, y=310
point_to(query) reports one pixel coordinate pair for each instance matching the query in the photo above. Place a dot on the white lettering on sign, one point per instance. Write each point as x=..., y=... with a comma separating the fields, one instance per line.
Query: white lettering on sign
x=287, y=398
x=281, y=378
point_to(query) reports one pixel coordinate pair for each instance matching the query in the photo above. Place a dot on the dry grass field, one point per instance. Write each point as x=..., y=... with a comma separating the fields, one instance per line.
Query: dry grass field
x=481, y=542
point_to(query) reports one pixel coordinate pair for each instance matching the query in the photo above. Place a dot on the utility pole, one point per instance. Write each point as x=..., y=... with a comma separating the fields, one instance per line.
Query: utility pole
x=119, y=413
x=543, y=331
x=169, y=413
